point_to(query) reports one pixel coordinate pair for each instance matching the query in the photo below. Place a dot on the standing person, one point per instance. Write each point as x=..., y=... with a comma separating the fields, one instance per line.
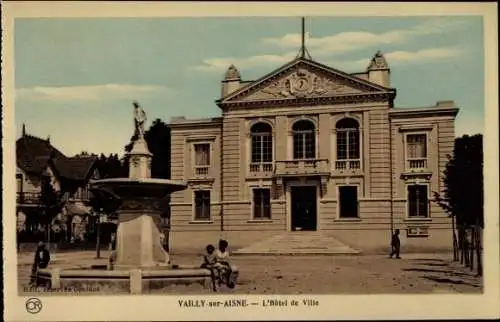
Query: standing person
x=42, y=259
x=112, y=242
x=395, y=244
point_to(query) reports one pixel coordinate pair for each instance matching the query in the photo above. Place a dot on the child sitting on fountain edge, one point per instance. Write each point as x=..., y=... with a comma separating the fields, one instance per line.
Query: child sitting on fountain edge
x=209, y=258
x=227, y=272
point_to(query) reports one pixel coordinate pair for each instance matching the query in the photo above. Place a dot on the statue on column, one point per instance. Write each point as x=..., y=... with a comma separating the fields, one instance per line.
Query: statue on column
x=140, y=118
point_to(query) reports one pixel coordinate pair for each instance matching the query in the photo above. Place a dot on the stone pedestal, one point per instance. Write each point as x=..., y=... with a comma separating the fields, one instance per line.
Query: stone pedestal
x=140, y=160
x=138, y=241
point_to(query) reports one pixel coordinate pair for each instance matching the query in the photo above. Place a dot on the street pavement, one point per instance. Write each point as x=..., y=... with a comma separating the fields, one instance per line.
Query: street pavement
x=341, y=274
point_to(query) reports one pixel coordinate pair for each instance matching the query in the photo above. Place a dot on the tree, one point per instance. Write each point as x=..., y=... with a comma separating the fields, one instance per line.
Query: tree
x=101, y=203
x=158, y=139
x=463, y=196
x=52, y=203
x=111, y=166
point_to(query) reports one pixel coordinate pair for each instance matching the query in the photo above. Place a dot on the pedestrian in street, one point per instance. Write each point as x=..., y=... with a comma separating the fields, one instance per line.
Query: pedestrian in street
x=395, y=244
x=112, y=242
x=42, y=259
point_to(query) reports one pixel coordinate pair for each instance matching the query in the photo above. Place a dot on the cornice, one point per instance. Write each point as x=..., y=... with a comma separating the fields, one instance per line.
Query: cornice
x=321, y=100
x=420, y=112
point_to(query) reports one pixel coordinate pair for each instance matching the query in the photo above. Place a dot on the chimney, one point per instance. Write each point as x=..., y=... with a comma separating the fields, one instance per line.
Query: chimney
x=231, y=82
x=379, y=71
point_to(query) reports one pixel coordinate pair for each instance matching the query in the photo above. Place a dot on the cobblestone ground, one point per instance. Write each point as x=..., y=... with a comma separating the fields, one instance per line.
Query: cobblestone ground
x=363, y=274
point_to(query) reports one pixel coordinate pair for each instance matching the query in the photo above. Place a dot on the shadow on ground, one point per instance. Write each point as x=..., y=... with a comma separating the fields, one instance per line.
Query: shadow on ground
x=427, y=270
x=447, y=280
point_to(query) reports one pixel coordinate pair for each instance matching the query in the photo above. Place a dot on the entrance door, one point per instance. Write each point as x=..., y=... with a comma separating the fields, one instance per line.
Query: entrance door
x=304, y=210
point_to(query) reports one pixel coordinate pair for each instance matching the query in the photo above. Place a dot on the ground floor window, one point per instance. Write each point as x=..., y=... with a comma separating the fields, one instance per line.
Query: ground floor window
x=348, y=201
x=418, y=201
x=202, y=205
x=262, y=203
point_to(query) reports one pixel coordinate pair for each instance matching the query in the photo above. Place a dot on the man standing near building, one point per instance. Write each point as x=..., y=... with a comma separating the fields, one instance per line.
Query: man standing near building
x=42, y=259
x=395, y=244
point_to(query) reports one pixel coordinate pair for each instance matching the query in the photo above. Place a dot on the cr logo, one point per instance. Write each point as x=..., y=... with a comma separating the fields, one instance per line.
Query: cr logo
x=33, y=305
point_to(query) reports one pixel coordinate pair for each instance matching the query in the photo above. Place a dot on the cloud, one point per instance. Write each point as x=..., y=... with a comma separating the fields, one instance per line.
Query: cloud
x=400, y=57
x=343, y=42
x=91, y=92
x=422, y=55
x=221, y=64
x=352, y=40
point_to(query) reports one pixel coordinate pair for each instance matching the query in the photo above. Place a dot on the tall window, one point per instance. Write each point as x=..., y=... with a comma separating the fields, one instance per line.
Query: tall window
x=202, y=158
x=262, y=203
x=202, y=205
x=19, y=179
x=416, y=150
x=348, y=202
x=348, y=151
x=262, y=143
x=304, y=140
x=418, y=203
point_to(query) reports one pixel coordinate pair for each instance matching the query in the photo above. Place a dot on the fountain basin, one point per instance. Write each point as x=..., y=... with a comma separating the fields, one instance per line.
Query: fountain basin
x=124, y=188
x=133, y=281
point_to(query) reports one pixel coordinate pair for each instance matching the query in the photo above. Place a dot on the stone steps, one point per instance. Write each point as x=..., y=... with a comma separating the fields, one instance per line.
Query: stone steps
x=298, y=243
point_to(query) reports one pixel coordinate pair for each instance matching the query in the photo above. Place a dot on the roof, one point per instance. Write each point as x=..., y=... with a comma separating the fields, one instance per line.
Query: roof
x=34, y=155
x=76, y=168
x=441, y=108
x=182, y=121
x=303, y=62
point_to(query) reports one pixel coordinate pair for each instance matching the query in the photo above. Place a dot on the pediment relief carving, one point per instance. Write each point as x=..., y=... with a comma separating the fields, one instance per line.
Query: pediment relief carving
x=303, y=83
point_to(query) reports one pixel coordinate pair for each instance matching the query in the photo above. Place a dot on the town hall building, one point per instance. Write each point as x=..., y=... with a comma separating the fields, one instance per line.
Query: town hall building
x=309, y=148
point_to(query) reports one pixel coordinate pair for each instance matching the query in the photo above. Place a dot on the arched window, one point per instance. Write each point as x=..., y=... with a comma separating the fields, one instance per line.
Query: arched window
x=348, y=151
x=262, y=143
x=304, y=140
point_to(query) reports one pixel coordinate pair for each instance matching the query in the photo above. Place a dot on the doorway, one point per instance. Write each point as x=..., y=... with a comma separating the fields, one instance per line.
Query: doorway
x=304, y=208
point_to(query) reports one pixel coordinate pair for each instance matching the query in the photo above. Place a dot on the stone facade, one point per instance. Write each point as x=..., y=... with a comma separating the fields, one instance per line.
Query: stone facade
x=308, y=147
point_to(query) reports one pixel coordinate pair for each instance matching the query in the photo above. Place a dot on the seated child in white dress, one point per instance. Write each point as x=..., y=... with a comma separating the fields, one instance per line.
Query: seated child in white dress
x=227, y=272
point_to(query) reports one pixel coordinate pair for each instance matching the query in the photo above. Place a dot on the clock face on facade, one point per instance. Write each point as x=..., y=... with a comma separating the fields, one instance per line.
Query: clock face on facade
x=301, y=84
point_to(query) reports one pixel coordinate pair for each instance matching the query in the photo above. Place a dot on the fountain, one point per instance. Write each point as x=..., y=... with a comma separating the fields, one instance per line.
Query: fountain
x=140, y=256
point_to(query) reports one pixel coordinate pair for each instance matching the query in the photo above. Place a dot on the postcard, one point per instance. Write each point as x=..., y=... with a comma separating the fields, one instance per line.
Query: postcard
x=236, y=161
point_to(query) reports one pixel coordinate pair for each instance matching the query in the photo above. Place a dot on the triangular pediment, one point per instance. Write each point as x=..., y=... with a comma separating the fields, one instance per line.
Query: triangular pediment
x=303, y=79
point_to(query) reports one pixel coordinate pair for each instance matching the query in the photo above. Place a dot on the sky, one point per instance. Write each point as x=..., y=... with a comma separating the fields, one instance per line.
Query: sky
x=76, y=78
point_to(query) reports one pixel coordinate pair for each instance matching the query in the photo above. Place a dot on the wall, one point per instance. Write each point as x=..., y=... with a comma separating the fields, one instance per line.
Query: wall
x=182, y=202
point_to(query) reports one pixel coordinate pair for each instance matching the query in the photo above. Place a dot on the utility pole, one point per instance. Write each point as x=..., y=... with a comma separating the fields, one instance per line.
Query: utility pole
x=303, y=53
x=98, y=235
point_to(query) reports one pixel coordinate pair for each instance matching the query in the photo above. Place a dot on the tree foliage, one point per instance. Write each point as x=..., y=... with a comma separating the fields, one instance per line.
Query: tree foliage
x=158, y=140
x=51, y=200
x=103, y=203
x=462, y=197
x=111, y=166
x=463, y=182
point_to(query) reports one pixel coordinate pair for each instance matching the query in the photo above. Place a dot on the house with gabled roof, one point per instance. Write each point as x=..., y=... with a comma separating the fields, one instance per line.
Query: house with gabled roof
x=37, y=159
x=308, y=150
